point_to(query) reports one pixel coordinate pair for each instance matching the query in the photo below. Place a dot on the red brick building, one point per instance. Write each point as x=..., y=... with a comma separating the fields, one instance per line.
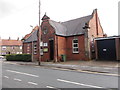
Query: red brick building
x=30, y=43
x=73, y=38
x=10, y=46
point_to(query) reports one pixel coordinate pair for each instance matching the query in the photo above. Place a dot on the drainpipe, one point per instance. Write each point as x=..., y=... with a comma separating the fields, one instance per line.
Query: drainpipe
x=56, y=49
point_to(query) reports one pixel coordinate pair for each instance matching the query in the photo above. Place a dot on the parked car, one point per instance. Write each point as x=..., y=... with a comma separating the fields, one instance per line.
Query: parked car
x=2, y=58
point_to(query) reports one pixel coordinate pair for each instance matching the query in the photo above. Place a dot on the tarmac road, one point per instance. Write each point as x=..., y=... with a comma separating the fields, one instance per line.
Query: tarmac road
x=22, y=76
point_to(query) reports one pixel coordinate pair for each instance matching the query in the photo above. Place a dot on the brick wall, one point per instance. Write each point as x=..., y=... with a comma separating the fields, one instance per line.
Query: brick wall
x=27, y=49
x=62, y=45
x=94, y=31
x=95, y=27
x=50, y=35
x=81, y=54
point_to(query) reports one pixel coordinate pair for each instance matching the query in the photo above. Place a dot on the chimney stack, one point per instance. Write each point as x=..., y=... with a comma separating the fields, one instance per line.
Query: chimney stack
x=9, y=38
x=18, y=38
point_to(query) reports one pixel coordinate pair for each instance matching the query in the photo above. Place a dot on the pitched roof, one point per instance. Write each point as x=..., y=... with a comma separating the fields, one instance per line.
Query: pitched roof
x=45, y=17
x=71, y=27
x=60, y=29
x=7, y=42
x=31, y=36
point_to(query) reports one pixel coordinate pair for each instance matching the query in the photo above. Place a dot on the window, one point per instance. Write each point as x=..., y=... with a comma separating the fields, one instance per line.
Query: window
x=75, y=46
x=13, y=47
x=28, y=48
x=3, y=47
x=20, y=47
x=35, y=48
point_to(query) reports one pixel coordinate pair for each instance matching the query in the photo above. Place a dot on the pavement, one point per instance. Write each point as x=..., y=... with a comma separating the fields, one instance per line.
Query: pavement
x=106, y=66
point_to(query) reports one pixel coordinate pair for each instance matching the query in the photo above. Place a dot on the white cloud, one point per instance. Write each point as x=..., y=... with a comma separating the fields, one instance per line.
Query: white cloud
x=20, y=14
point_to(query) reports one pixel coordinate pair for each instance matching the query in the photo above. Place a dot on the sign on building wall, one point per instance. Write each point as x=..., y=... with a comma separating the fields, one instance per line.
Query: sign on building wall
x=45, y=50
x=45, y=44
x=41, y=43
x=41, y=51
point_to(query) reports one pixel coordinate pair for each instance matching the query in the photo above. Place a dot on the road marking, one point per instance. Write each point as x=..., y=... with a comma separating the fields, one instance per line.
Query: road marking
x=50, y=87
x=108, y=74
x=22, y=73
x=61, y=80
x=108, y=68
x=32, y=83
x=6, y=76
x=17, y=79
x=53, y=87
x=10, y=63
x=95, y=67
x=60, y=68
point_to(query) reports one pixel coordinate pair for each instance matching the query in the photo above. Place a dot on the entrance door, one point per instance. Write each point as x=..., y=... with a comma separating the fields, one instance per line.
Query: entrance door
x=51, y=43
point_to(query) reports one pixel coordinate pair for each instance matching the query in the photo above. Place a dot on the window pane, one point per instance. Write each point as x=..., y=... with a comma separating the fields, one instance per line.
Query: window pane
x=75, y=45
x=75, y=41
x=20, y=47
x=75, y=49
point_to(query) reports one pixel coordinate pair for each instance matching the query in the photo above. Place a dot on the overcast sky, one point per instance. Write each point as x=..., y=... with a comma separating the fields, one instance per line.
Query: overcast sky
x=16, y=16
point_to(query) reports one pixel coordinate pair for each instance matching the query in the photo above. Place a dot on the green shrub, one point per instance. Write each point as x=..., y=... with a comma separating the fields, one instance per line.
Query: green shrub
x=19, y=57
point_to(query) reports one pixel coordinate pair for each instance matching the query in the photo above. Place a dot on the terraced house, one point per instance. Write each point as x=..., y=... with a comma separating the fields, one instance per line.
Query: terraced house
x=9, y=46
x=73, y=39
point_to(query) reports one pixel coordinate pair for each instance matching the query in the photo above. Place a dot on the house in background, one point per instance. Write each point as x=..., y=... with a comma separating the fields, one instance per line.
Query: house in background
x=73, y=38
x=108, y=48
x=8, y=46
x=30, y=44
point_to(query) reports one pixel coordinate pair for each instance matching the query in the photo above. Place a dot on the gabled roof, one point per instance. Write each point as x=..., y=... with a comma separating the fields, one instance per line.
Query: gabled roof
x=31, y=36
x=45, y=17
x=60, y=29
x=7, y=42
x=71, y=27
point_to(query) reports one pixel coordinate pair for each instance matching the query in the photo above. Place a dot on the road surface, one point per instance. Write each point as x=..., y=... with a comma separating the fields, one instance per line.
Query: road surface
x=25, y=76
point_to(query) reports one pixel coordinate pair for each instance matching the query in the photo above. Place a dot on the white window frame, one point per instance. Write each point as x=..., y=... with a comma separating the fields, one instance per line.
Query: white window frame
x=73, y=48
x=20, y=47
x=3, y=47
x=35, y=48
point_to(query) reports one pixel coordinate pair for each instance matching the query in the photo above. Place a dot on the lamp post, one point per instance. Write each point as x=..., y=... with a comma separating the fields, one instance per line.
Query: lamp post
x=32, y=42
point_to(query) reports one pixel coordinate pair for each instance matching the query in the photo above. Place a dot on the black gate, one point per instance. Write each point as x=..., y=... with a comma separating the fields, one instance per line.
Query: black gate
x=106, y=49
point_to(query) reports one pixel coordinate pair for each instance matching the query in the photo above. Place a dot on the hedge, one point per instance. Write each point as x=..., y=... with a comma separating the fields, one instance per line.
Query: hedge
x=19, y=57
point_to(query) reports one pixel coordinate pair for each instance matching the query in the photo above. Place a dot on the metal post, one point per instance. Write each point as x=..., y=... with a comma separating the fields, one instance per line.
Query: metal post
x=39, y=37
x=32, y=42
